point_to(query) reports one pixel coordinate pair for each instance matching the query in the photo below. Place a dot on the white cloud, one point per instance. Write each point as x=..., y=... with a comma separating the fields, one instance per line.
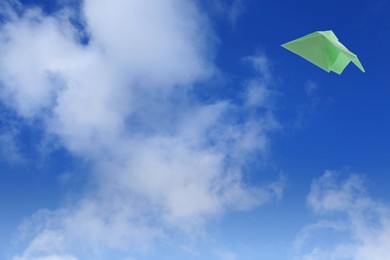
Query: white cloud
x=326, y=195
x=9, y=150
x=161, y=159
x=257, y=93
x=226, y=254
x=10, y=134
x=353, y=226
x=230, y=10
x=43, y=246
x=169, y=36
x=236, y=10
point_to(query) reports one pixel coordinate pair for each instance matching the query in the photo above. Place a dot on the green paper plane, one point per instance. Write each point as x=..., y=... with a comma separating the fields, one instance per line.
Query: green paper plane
x=324, y=50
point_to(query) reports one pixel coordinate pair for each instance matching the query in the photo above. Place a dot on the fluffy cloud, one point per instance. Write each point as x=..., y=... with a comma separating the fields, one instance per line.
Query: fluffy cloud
x=121, y=99
x=353, y=226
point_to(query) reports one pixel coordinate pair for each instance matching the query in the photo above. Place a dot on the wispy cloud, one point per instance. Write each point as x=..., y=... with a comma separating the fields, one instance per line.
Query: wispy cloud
x=351, y=224
x=9, y=149
x=311, y=103
x=161, y=159
x=226, y=255
x=236, y=9
x=231, y=11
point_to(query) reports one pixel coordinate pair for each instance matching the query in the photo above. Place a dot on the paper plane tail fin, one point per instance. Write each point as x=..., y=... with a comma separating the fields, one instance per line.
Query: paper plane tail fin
x=358, y=64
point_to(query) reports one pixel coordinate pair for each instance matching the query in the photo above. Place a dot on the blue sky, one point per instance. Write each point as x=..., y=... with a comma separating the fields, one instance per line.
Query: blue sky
x=183, y=130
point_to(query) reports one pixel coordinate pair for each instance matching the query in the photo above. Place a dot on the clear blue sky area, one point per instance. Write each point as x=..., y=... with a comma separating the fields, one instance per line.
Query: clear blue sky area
x=183, y=130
